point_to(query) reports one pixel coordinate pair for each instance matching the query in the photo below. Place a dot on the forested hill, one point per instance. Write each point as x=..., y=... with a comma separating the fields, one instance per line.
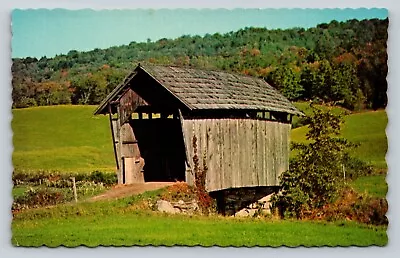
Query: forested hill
x=344, y=62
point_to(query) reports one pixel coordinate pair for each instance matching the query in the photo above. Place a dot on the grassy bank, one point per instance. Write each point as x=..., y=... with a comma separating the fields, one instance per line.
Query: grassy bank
x=63, y=138
x=374, y=185
x=118, y=223
x=70, y=138
x=367, y=129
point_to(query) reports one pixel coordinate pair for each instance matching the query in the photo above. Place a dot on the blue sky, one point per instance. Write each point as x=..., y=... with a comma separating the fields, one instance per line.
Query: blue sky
x=43, y=32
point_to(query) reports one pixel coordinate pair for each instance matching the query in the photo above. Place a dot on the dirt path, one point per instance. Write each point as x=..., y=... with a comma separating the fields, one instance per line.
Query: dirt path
x=120, y=191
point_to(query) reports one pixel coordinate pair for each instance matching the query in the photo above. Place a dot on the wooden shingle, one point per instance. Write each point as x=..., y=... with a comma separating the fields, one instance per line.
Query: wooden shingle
x=207, y=89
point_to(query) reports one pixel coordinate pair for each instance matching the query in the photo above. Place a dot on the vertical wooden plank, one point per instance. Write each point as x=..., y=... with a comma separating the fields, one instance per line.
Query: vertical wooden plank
x=233, y=151
x=201, y=142
x=268, y=164
x=230, y=129
x=249, y=173
x=210, y=151
x=242, y=152
x=263, y=135
x=163, y=115
x=197, y=133
x=276, y=150
x=210, y=177
x=287, y=145
x=188, y=132
x=204, y=143
x=227, y=150
x=228, y=153
x=260, y=152
x=271, y=153
x=223, y=154
x=279, y=152
x=220, y=151
x=193, y=133
x=255, y=153
x=214, y=169
x=253, y=143
x=236, y=152
x=283, y=149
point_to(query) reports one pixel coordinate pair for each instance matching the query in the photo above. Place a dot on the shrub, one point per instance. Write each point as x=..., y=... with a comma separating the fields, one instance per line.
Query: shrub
x=355, y=168
x=179, y=191
x=204, y=200
x=61, y=179
x=34, y=198
x=317, y=173
x=352, y=206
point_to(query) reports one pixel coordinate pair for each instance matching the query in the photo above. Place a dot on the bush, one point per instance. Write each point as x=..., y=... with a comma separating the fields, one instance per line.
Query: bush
x=51, y=188
x=204, y=200
x=353, y=206
x=317, y=173
x=355, y=168
x=60, y=179
x=179, y=191
x=34, y=198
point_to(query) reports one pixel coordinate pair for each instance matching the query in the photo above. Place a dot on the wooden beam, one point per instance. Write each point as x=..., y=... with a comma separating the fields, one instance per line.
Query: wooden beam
x=184, y=140
x=112, y=134
x=129, y=142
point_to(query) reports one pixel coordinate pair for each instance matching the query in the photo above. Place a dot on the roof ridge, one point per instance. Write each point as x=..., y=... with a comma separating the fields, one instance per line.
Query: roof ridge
x=205, y=69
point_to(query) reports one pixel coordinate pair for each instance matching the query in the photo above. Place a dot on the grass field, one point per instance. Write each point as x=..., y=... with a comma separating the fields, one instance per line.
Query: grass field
x=70, y=138
x=374, y=185
x=366, y=129
x=63, y=138
x=117, y=223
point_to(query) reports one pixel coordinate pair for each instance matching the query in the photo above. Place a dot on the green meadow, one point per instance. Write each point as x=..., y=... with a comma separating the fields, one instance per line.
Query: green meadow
x=61, y=138
x=71, y=139
x=366, y=129
x=118, y=223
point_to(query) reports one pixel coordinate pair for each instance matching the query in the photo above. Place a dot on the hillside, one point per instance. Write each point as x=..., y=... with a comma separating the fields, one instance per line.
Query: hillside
x=366, y=129
x=345, y=62
x=64, y=138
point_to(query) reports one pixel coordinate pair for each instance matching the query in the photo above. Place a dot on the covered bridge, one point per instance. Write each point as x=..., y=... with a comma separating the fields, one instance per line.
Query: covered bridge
x=165, y=119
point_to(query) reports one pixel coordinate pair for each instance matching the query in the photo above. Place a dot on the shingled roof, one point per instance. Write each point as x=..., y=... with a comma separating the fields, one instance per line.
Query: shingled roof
x=206, y=89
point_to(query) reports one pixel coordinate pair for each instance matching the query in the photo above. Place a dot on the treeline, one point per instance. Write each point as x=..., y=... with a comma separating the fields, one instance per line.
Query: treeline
x=342, y=62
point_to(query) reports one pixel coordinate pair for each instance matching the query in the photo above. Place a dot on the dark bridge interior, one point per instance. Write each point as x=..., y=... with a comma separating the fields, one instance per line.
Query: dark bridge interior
x=161, y=146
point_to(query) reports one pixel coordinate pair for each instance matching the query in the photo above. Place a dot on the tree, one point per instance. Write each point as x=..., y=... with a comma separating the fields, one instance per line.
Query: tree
x=89, y=90
x=287, y=81
x=46, y=93
x=316, y=174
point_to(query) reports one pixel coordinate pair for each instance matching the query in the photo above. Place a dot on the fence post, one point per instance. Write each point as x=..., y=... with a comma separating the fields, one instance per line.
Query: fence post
x=344, y=172
x=74, y=188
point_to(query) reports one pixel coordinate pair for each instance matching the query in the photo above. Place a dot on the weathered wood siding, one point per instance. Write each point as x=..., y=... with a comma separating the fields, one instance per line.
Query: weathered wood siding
x=238, y=152
x=132, y=164
x=128, y=103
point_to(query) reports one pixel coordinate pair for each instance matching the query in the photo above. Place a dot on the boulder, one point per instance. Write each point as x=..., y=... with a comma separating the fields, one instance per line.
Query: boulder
x=165, y=206
x=245, y=213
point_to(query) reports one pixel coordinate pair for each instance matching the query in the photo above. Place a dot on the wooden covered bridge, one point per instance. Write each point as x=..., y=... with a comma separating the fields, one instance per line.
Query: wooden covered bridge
x=162, y=117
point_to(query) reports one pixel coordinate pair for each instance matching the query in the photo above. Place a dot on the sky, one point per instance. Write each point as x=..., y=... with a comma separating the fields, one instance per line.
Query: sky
x=44, y=32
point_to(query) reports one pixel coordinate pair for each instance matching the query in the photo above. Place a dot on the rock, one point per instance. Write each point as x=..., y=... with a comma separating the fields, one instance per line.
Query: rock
x=165, y=206
x=245, y=213
x=194, y=205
